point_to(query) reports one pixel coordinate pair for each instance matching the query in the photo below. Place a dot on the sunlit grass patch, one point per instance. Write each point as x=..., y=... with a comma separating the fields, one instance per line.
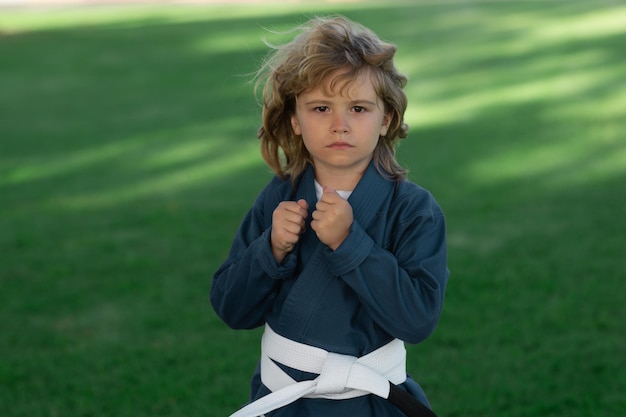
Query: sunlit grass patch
x=128, y=156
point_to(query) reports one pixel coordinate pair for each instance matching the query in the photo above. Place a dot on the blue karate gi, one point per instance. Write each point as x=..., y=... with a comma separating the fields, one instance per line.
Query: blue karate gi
x=386, y=280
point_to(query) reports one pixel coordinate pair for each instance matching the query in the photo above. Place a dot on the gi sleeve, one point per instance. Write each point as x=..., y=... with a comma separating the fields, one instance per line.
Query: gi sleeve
x=402, y=287
x=245, y=285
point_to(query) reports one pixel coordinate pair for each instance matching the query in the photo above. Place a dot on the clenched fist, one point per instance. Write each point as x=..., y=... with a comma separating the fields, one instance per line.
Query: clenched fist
x=332, y=218
x=288, y=223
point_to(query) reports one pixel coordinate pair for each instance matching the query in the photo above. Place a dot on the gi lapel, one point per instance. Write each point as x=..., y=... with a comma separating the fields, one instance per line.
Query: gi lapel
x=371, y=194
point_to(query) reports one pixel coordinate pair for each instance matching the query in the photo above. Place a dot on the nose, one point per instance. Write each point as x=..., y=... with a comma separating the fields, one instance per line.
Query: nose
x=340, y=124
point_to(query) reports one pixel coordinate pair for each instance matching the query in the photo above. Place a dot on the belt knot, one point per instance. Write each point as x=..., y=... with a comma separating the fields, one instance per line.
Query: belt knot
x=335, y=373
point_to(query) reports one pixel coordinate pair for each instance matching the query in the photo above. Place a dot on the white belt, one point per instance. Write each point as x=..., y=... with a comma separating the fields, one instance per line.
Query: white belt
x=340, y=376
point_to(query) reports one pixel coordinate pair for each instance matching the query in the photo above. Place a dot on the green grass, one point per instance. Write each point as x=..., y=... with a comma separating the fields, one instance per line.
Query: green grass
x=128, y=157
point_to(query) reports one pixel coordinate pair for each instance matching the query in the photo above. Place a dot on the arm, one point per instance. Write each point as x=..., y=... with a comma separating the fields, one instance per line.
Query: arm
x=402, y=288
x=244, y=287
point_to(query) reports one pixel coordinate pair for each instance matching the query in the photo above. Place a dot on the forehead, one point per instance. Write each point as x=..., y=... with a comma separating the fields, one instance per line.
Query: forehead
x=337, y=84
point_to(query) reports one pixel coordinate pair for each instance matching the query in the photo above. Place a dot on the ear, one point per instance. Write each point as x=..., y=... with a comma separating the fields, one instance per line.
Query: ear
x=385, y=126
x=295, y=125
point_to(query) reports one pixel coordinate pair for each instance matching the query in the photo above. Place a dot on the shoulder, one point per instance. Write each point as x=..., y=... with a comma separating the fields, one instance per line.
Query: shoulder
x=413, y=200
x=277, y=185
x=277, y=190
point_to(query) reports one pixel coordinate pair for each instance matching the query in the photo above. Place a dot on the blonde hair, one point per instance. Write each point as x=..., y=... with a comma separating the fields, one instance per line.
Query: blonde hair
x=324, y=46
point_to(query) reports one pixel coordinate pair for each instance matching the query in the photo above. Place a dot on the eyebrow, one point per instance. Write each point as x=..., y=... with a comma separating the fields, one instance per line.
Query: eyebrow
x=352, y=102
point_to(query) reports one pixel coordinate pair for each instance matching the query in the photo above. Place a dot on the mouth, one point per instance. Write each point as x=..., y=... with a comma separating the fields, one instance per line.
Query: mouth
x=340, y=145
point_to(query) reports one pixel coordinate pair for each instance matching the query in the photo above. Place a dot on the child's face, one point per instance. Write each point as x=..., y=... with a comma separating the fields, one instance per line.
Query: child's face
x=341, y=130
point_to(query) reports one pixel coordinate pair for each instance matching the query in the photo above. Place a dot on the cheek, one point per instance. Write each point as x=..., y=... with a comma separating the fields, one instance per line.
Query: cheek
x=307, y=143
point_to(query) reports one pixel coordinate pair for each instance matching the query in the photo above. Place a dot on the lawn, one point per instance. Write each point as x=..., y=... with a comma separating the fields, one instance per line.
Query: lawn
x=128, y=156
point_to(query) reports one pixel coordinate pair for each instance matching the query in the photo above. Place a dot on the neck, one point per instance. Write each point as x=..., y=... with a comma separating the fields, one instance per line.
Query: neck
x=338, y=182
x=345, y=179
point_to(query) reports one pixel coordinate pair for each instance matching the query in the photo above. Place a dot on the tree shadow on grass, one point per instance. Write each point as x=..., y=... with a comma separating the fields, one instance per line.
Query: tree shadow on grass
x=129, y=157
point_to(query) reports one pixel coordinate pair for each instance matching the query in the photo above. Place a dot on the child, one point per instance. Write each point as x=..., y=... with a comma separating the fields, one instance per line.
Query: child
x=341, y=258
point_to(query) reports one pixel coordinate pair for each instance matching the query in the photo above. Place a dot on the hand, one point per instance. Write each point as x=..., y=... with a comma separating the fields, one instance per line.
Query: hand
x=332, y=218
x=288, y=223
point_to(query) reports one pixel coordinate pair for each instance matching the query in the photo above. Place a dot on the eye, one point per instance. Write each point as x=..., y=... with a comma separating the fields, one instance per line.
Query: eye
x=358, y=109
x=321, y=109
